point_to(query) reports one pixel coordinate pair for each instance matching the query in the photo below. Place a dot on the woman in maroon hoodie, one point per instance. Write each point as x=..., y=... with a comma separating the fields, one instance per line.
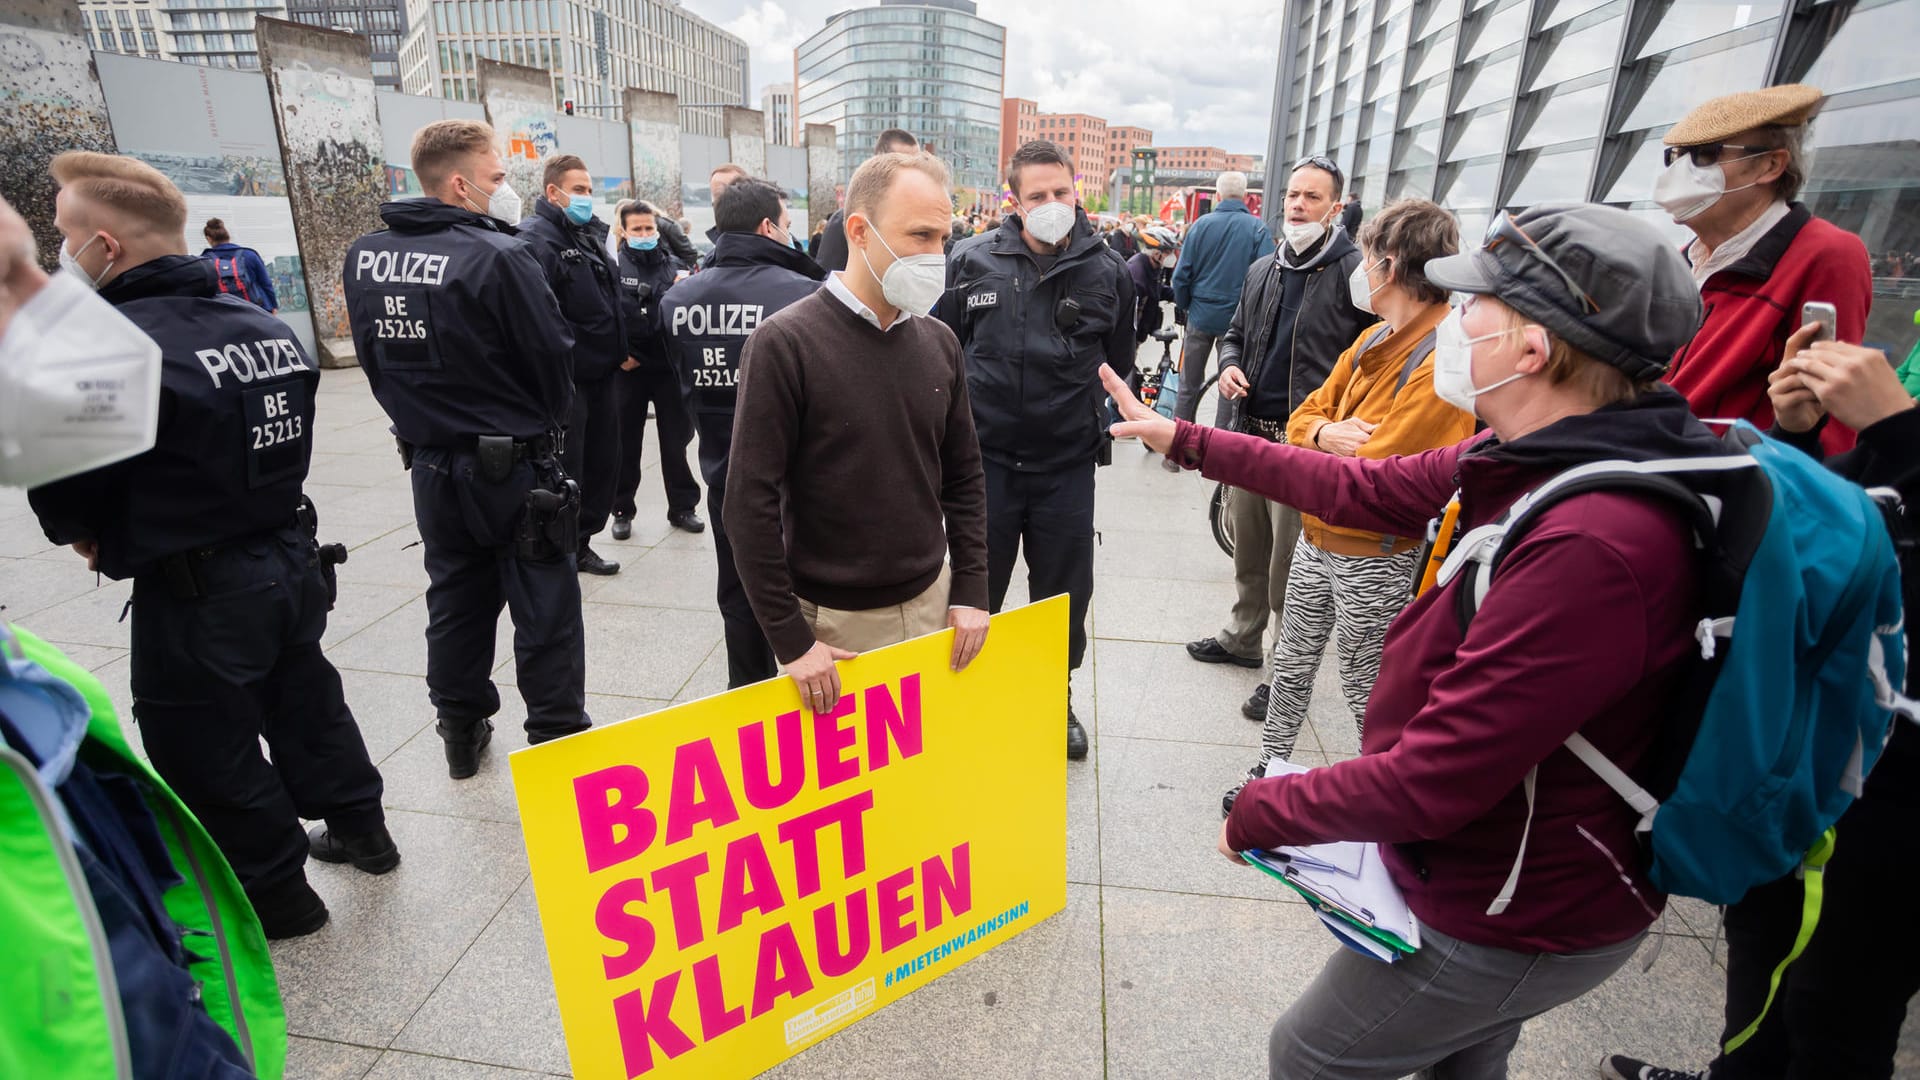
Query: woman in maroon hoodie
x=1574, y=312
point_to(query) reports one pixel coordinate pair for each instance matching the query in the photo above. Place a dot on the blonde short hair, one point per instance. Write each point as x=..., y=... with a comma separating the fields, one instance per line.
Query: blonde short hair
x=438, y=148
x=875, y=176
x=126, y=185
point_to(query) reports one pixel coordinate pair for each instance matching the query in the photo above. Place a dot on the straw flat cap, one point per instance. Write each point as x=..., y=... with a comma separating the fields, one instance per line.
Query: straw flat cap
x=1724, y=117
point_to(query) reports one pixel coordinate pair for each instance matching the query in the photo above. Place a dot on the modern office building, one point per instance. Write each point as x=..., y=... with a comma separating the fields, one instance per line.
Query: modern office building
x=594, y=48
x=776, y=104
x=932, y=67
x=1503, y=103
x=382, y=22
x=134, y=27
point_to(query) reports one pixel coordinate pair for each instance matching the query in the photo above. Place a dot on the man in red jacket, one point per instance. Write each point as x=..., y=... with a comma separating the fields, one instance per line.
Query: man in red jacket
x=1734, y=166
x=1575, y=312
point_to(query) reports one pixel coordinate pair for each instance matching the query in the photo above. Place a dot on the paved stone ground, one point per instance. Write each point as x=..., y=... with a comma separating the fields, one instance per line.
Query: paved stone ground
x=1168, y=961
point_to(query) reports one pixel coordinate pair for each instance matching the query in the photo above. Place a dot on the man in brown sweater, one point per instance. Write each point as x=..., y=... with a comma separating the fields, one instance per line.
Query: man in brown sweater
x=855, y=474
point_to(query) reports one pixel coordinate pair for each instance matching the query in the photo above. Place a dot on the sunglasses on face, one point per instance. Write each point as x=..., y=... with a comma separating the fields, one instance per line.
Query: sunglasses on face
x=1503, y=230
x=1709, y=153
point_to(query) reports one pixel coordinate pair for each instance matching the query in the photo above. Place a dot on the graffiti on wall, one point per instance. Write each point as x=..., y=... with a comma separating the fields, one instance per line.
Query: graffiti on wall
x=519, y=103
x=50, y=101
x=653, y=138
x=321, y=84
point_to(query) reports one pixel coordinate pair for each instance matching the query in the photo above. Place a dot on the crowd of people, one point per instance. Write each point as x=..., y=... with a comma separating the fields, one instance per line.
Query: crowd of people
x=889, y=414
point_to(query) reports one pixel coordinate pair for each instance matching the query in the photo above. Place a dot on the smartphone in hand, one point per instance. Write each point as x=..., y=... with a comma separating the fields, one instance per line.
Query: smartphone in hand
x=1821, y=312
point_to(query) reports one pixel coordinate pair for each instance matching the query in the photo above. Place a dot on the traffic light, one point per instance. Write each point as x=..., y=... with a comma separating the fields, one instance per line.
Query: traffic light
x=568, y=106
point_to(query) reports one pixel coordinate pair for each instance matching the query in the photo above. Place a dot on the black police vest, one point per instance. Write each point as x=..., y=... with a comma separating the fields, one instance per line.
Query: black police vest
x=236, y=429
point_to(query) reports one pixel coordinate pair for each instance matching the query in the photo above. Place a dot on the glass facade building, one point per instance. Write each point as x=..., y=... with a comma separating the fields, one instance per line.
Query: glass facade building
x=594, y=48
x=1489, y=104
x=932, y=67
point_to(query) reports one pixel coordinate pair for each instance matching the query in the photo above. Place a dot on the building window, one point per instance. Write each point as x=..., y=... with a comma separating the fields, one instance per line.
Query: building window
x=149, y=41
x=126, y=41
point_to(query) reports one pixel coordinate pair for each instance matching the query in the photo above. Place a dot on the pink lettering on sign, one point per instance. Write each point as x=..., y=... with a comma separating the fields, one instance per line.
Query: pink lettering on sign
x=803, y=833
x=681, y=882
x=762, y=792
x=716, y=1019
x=954, y=887
x=616, y=923
x=832, y=741
x=700, y=792
x=643, y=1026
x=835, y=961
x=781, y=971
x=747, y=883
x=614, y=827
x=900, y=723
x=895, y=906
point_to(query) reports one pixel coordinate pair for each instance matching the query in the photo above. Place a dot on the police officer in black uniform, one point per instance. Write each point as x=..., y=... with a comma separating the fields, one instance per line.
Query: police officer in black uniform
x=754, y=271
x=230, y=587
x=465, y=348
x=1038, y=305
x=646, y=379
x=571, y=245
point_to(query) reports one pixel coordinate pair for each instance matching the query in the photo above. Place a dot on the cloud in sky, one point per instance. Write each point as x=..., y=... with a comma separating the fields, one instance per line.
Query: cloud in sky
x=1200, y=75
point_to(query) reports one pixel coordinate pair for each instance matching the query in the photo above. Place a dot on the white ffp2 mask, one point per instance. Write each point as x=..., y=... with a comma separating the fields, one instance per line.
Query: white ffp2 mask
x=914, y=283
x=1453, y=364
x=1050, y=223
x=79, y=386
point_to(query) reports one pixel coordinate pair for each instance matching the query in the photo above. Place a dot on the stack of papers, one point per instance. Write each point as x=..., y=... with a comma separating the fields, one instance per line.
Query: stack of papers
x=1349, y=888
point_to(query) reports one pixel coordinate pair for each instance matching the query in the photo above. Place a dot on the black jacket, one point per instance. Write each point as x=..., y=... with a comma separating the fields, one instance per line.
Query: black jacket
x=235, y=432
x=1887, y=455
x=585, y=281
x=833, y=243
x=1302, y=299
x=645, y=277
x=456, y=328
x=708, y=317
x=1034, y=342
x=676, y=240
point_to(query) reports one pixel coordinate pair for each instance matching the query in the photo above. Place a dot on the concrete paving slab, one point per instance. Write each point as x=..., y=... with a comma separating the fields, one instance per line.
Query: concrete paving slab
x=1154, y=690
x=392, y=938
x=1028, y=1010
x=496, y=1005
x=1160, y=818
x=1193, y=983
x=318, y=1059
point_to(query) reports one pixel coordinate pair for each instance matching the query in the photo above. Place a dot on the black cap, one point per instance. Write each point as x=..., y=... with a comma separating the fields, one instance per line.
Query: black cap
x=1640, y=302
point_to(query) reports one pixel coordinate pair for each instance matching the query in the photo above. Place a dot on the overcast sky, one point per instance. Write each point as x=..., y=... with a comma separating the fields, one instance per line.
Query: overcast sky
x=1199, y=74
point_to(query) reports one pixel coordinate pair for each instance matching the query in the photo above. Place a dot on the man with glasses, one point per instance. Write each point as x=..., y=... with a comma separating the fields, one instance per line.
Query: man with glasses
x=1295, y=317
x=1734, y=166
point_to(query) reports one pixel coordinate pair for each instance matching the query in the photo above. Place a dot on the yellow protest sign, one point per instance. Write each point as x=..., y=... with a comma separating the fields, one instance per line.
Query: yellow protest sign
x=724, y=883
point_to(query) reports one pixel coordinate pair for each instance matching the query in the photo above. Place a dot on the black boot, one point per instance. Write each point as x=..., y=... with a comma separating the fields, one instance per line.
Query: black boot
x=288, y=910
x=591, y=563
x=1076, y=737
x=686, y=521
x=1255, y=708
x=372, y=852
x=622, y=527
x=464, y=743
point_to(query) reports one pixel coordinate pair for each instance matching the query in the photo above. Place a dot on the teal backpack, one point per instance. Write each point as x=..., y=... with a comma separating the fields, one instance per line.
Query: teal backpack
x=1802, y=653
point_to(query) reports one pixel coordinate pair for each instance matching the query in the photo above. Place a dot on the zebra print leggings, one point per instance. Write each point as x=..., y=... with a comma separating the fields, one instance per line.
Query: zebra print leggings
x=1353, y=598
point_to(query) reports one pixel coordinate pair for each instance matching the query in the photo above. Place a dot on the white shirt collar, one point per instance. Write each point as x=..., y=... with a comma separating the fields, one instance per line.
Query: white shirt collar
x=858, y=306
x=1706, y=264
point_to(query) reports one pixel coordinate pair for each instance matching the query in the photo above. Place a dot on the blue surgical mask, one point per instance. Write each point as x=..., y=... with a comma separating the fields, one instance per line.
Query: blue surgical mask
x=643, y=243
x=580, y=209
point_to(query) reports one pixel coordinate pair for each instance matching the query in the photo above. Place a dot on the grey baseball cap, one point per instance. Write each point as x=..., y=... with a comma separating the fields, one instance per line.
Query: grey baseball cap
x=1601, y=279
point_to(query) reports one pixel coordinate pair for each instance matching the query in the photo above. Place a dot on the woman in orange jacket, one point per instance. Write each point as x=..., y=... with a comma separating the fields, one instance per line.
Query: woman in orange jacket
x=1377, y=402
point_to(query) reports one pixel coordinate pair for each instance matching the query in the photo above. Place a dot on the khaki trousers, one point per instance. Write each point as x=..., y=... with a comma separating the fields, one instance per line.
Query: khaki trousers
x=1264, y=535
x=875, y=628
